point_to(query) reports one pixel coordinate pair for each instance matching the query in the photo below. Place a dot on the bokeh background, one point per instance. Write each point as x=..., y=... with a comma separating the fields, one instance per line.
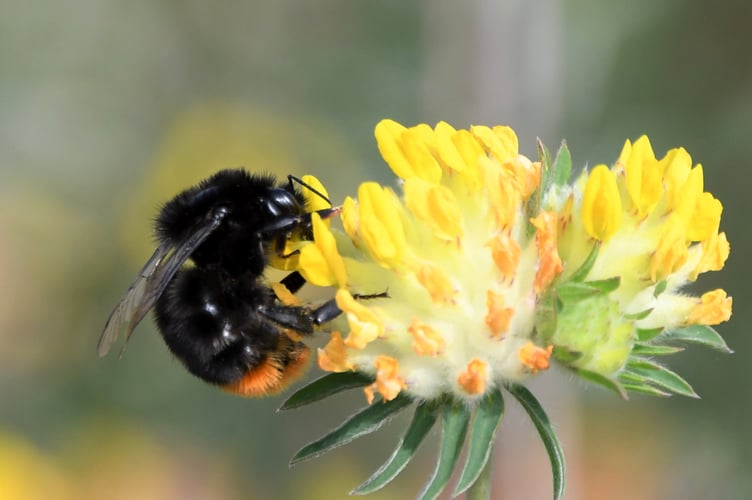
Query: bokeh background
x=109, y=108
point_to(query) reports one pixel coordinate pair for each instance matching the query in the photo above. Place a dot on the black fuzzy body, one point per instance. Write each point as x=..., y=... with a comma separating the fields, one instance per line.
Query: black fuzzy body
x=238, y=244
x=217, y=317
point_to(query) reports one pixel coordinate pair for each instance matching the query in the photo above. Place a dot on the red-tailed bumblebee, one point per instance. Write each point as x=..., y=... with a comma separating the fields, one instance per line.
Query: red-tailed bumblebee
x=218, y=316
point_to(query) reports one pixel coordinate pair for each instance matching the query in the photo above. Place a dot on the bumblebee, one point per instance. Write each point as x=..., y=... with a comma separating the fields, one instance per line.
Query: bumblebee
x=218, y=316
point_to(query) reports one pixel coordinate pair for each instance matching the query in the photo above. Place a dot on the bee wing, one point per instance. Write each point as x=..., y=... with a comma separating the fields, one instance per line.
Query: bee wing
x=151, y=283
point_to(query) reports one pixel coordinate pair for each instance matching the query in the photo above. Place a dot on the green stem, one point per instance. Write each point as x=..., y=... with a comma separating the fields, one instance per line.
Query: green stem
x=481, y=489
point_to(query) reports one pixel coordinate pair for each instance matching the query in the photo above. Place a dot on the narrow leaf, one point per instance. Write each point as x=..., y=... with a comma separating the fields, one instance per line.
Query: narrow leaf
x=655, y=350
x=485, y=424
x=646, y=389
x=661, y=377
x=423, y=420
x=360, y=424
x=699, y=334
x=324, y=387
x=562, y=165
x=660, y=287
x=547, y=434
x=454, y=421
x=581, y=273
x=603, y=381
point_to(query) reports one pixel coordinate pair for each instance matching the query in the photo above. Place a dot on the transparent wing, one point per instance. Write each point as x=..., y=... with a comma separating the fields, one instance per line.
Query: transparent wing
x=151, y=283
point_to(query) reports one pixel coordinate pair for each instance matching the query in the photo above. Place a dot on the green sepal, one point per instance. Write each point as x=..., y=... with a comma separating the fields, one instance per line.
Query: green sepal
x=565, y=355
x=655, y=350
x=574, y=291
x=660, y=376
x=546, y=317
x=365, y=422
x=423, y=420
x=562, y=168
x=324, y=387
x=454, y=420
x=602, y=380
x=698, y=334
x=639, y=315
x=660, y=287
x=647, y=334
x=544, y=156
x=581, y=273
x=485, y=424
x=547, y=434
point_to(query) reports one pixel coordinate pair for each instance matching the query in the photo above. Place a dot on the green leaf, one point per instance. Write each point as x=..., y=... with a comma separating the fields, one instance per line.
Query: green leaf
x=454, y=420
x=581, y=273
x=645, y=389
x=485, y=424
x=602, y=380
x=562, y=168
x=360, y=424
x=698, y=334
x=423, y=420
x=324, y=387
x=655, y=350
x=660, y=287
x=547, y=434
x=661, y=377
x=646, y=334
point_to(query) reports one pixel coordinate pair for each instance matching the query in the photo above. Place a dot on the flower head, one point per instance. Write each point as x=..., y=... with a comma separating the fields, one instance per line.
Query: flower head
x=489, y=266
x=485, y=280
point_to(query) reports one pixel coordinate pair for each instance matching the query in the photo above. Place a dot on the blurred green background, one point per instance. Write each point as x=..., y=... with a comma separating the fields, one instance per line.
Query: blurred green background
x=109, y=108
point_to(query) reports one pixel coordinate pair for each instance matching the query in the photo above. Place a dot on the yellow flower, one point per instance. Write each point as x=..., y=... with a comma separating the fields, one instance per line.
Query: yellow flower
x=494, y=265
x=601, y=204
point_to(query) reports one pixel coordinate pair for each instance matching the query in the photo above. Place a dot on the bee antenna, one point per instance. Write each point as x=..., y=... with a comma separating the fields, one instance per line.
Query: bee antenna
x=292, y=178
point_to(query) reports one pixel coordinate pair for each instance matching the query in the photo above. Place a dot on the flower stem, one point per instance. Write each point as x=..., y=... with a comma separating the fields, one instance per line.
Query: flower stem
x=481, y=489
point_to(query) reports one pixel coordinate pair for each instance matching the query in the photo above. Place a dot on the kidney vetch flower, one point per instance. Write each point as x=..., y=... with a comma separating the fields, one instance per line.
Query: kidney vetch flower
x=484, y=267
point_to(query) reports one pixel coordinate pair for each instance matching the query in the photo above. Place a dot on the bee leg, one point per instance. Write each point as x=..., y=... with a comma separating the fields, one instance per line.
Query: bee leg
x=302, y=319
x=329, y=310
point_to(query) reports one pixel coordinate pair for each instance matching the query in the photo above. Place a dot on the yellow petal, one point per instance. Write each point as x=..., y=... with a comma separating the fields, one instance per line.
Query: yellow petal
x=714, y=308
x=715, y=251
x=320, y=263
x=333, y=357
x=671, y=251
x=705, y=219
x=601, y=204
x=315, y=202
x=380, y=224
x=435, y=205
